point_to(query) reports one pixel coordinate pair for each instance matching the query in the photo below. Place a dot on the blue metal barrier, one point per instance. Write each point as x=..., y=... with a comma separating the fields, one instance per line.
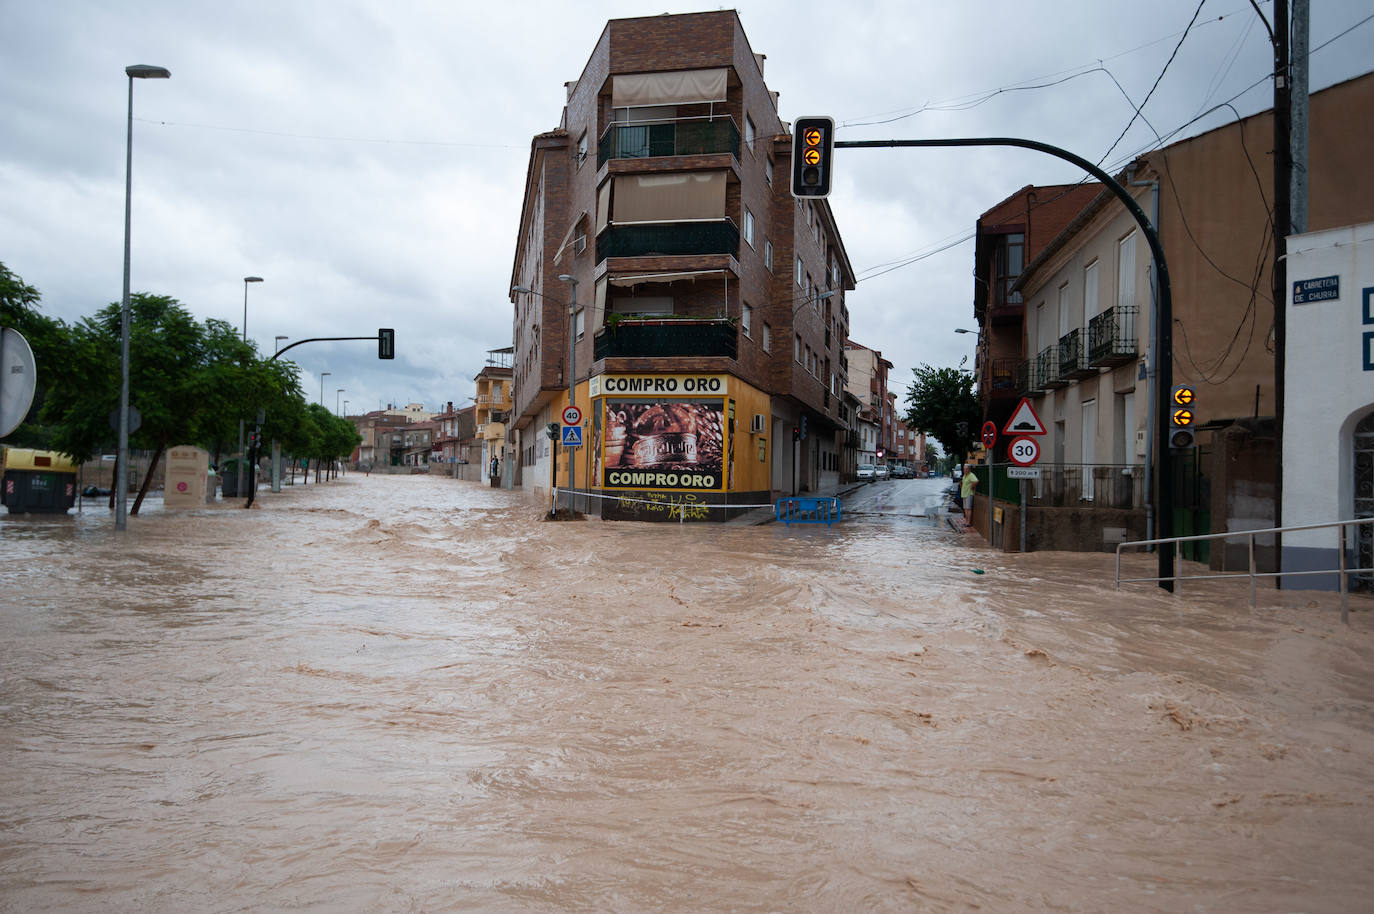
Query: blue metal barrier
x=802, y=510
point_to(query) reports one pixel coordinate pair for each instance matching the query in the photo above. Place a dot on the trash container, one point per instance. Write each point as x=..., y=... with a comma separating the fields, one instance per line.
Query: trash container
x=42, y=482
x=229, y=478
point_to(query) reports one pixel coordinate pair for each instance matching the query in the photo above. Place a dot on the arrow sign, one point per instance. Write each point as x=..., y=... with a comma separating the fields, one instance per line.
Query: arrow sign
x=572, y=436
x=1024, y=421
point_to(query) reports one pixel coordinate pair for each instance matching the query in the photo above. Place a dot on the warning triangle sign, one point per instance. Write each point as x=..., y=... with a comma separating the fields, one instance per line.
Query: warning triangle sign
x=1024, y=421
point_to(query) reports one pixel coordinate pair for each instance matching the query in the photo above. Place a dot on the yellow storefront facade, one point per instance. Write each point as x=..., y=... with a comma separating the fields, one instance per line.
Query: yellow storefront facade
x=669, y=446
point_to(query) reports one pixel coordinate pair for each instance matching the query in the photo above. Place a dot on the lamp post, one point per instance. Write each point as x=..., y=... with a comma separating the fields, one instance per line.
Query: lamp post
x=323, y=375
x=338, y=393
x=813, y=299
x=276, y=343
x=137, y=71
x=246, y=281
x=345, y=409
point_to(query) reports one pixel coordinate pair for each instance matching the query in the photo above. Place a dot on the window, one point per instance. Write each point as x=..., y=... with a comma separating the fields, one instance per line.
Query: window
x=582, y=148
x=768, y=254
x=1063, y=309
x=1090, y=308
x=817, y=231
x=767, y=337
x=748, y=227
x=801, y=273
x=797, y=349
x=1125, y=270
x=1009, y=260
x=768, y=170
x=746, y=315
x=749, y=132
x=580, y=321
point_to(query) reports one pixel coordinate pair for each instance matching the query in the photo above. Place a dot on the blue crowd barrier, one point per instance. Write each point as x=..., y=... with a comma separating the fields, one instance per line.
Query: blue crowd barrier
x=806, y=510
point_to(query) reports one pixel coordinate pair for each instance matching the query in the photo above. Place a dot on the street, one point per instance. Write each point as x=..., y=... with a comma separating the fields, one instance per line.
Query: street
x=411, y=693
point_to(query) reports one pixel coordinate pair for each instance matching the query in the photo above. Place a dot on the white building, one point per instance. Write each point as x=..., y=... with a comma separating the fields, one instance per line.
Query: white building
x=1328, y=421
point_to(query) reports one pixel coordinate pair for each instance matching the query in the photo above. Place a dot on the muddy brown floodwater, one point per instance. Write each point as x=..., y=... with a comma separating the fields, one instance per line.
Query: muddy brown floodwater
x=411, y=694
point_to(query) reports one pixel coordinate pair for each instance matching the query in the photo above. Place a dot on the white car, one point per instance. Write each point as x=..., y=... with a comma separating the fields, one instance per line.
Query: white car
x=880, y=471
x=867, y=472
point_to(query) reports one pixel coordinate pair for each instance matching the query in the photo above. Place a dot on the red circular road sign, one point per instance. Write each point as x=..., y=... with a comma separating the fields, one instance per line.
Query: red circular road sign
x=1023, y=451
x=989, y=433
x=571, y=415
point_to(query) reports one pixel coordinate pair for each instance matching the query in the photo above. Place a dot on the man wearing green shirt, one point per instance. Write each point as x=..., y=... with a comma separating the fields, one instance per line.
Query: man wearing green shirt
x=966, y=487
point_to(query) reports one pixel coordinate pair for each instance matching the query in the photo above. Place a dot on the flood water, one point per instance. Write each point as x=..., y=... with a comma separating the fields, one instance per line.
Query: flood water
x=413, y=694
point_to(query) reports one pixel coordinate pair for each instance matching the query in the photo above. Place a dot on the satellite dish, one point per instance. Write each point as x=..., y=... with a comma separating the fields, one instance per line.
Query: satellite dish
x=18, y=378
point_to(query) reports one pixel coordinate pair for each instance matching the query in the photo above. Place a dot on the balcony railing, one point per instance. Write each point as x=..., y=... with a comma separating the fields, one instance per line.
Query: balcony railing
x=659, y=239
x=685, y=137
x=1073, y=355
x=667, y=339
x=1111, y=337
x=1047, y=370
x=1003, y=382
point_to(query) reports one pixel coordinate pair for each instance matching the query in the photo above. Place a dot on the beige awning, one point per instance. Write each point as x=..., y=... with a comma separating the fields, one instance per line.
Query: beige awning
x=568, y=238
x=603, y=206
x=661, y=277
x=670, y=198
x=675, y=88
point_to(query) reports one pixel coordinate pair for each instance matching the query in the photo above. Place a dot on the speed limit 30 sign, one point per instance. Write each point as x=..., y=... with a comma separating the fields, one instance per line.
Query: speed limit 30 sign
x=1023, y=451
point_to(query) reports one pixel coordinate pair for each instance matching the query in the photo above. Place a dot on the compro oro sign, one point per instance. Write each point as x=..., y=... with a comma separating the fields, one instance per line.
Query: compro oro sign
x=653, y=443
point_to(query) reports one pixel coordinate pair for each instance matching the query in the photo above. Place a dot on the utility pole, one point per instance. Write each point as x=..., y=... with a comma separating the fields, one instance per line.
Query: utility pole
x=1283, y=225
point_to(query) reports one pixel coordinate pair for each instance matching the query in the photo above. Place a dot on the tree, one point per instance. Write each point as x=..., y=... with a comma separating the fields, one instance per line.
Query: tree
x=943, y=404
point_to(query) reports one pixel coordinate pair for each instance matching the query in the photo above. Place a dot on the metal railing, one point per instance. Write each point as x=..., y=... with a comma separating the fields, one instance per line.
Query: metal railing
x=1111, y=337
x=1178, y=576
x=1102, y=485
x=649, y=239
x=676, y=137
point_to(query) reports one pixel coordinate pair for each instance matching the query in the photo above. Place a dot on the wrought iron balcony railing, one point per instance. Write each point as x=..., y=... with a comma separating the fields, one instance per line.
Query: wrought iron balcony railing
x=1111, y=337
x=683, y=137
x=1073, y=355
x=650, y=239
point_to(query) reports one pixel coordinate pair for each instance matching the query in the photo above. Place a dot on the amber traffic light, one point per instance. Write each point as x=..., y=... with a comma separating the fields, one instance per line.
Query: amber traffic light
x=1182, y=416
x=813, y=145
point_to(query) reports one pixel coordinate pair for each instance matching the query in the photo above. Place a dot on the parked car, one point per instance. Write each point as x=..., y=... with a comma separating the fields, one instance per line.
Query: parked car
x=902, y=471
x=867, y=472
x=881, y=471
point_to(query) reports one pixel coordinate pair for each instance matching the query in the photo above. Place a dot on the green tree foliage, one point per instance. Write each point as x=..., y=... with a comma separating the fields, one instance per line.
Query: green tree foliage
x=19, y=304
x=942, y=404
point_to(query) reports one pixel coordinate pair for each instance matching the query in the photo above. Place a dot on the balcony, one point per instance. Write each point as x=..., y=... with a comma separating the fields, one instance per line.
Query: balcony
x=1111, y=337
x=492, y=431
x=667, y=239
x=667, y=338
x=685, y=137
x=1047, y=369
x=1073, y=356
x=1002, y=378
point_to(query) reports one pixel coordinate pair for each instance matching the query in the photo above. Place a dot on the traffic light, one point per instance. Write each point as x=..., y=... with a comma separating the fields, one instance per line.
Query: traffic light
x=386, y=343
x=1182, y=416
x=796, y=433
x=813, y=146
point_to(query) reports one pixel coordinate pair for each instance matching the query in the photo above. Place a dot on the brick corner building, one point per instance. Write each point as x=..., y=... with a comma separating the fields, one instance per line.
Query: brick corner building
x=709, y=317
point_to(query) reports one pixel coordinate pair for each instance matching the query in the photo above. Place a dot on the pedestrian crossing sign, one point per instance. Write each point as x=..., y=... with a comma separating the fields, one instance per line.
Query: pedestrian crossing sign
x=572, y=436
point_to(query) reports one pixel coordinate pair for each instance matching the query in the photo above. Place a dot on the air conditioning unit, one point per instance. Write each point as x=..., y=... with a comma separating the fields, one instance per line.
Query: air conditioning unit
x=759, y=424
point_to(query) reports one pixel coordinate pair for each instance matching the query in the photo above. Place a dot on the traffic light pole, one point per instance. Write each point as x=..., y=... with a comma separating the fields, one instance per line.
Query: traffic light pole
x=1164, y=326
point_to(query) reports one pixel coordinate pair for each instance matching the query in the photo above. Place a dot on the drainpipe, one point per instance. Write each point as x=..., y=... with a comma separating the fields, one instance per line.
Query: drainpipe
x=1150, y=357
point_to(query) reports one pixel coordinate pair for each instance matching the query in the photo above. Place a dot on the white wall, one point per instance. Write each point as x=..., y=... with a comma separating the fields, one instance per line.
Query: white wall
x=1328, y=385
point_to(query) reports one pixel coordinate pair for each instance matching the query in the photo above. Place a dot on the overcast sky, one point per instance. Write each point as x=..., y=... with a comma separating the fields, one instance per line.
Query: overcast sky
x=367, y=158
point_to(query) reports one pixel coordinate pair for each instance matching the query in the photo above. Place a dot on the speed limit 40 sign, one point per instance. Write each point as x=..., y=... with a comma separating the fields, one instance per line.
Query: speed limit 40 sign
x=1023, y=451
x=572, y=415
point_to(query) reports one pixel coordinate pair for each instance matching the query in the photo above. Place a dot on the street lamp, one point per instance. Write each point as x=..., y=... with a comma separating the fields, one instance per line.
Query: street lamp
x=345, y=409
x=246, y=281
x=811, y=300
x=137, y=71
x=962, y=330
x=338, y=393
x=276, y=343
x=323, y=375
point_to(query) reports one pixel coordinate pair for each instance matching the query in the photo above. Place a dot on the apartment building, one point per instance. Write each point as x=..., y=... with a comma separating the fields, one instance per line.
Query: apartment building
x=667, y=282
x=454, y=437
x=493, y=406
x=867, y=382
x=1080, y=311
